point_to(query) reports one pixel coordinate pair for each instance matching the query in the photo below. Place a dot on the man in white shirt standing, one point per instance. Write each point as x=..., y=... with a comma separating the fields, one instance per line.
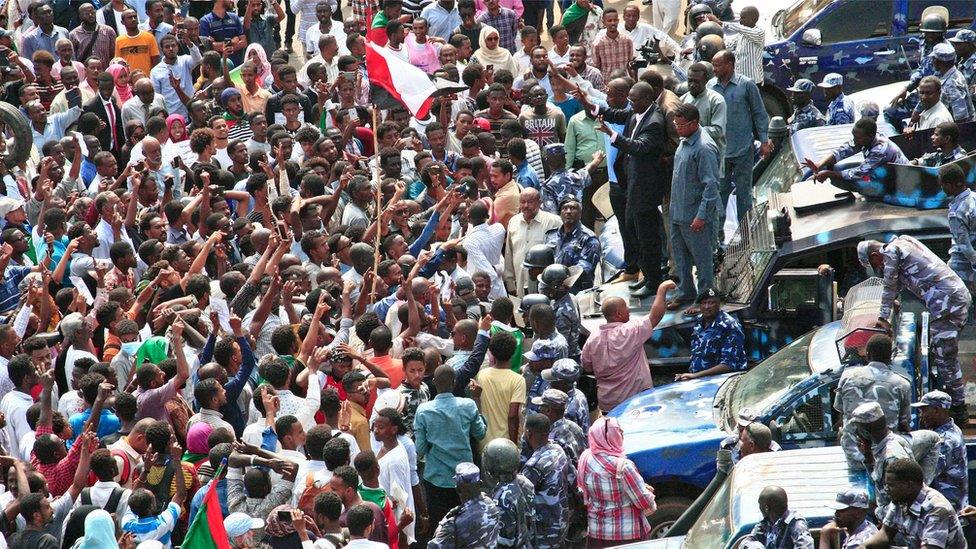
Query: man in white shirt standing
x=14, y=405
x=525, y=230
x=748, y=44
x=484, y=243
x=109, y=228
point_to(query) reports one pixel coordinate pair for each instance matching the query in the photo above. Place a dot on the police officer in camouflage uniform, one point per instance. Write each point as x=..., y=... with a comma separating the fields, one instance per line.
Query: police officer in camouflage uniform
x=547, y=470
x=909, y=264
x=874, y=382
x=920, y=516
x=474, y=523
x=563, y=376
x=962, y=223
x=537, y=258
x=933, y=27
x=780, y=527
x=563, y=182
x=574, y=244
x=955, y=89
x=879, y=445
x=945, y=139
x=733, y=443
x=878, y=152
x=554, y=283
x=547, y=347
x=965, y=44
x=840, y=109
x=512, y=492
x=952, y=472
x=850, y=519
x=805, y=113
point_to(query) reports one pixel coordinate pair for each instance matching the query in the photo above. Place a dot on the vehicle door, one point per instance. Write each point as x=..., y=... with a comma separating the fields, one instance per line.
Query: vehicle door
x=857, y=39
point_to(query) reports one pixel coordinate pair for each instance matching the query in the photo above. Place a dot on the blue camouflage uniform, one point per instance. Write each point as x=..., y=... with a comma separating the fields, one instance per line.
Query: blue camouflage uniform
x=721, y=342
x=910, y=265
x=962, y=226
x=568, y=323
x=561, y=184
x=952, y=472
x=553, y=347
x=808, y=116
x=937, y=158
x=856, y=538
x=968, y=65
x=516, y=512
x=956, y=96
x=577, y=247
x=787, y=532
x=840, y=111
x=472, y=524
x=547, y=470
x=578, y=409
x=877, y=156
x=930, y=519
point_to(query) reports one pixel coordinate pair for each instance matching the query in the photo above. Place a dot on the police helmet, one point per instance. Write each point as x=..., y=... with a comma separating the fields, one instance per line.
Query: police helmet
x=695, y=12
x=709, y=45
x=933, y=22
x=532, y=299
x=554, y=275
x=500, y=461
x=709, y=28
x=463, y=285
x=539, y=256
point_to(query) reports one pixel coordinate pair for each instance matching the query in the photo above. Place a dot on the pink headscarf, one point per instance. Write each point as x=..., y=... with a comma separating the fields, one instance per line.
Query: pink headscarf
x=264, y=67
x=606, y=446
x=124, y=91
x=196, y=438
x=170, y=120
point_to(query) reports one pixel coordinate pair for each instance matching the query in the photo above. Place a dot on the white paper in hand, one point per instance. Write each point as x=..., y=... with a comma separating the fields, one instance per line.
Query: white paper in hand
x=79, y=283
x=219, y=305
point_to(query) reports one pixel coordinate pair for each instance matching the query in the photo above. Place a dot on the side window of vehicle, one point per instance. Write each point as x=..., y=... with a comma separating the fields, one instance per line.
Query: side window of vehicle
x=857, y=20
x=960, y=13
x=807, y=417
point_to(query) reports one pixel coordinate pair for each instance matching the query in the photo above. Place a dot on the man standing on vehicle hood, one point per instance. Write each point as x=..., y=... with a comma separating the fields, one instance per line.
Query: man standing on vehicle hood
x=909, y=264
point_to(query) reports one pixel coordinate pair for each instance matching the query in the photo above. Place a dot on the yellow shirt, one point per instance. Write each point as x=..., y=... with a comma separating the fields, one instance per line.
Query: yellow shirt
x=500, y=387
x=137, y=51
x=254, y=102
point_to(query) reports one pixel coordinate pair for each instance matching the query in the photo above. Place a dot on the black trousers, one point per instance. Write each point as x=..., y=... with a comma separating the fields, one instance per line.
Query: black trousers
x=290, y=26
x=590, y=213
x=439, y=502
x=618, y=201
x=644, y=220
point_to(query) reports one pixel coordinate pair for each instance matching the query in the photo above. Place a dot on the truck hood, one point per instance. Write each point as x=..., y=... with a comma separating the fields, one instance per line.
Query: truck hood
x=675, y=542
x=672, y=423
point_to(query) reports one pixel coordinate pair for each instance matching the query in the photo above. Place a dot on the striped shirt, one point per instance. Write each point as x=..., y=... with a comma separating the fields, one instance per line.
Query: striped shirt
x=748, y=48
x=159, y=527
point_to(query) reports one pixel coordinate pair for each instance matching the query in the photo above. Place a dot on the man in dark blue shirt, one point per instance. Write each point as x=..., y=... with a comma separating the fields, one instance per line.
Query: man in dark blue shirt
x=716, y=343
x=226, y=30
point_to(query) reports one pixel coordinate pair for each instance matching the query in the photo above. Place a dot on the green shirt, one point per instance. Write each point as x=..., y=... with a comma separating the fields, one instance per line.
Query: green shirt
x=516, y=363
x=582, y=140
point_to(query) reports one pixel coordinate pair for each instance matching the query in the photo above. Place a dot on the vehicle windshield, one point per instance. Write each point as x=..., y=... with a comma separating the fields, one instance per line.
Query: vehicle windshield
x=773, y=377
x=713, y=528
x=798, y=14
x=780, y=174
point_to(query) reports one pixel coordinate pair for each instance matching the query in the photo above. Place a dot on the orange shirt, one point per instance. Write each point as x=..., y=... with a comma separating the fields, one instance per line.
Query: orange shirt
x=393, y=368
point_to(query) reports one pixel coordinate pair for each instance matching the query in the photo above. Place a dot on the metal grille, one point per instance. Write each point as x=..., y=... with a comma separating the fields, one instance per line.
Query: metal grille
x=747, y=255
x=863, y=301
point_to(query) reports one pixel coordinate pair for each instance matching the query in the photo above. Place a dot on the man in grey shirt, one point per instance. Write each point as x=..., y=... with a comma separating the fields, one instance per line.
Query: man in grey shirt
x=694, y=198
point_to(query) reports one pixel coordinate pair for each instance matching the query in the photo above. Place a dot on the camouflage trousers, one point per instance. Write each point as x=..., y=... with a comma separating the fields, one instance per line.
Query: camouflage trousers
x=944, y=350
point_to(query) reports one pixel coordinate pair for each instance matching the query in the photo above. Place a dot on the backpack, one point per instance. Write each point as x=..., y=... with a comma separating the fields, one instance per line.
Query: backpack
x=307, y=500
x=112, y=505
x=126, y=471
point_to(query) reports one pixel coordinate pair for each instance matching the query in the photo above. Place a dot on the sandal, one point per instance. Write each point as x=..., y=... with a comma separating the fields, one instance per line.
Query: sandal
x=675, y=304
x=692, y=311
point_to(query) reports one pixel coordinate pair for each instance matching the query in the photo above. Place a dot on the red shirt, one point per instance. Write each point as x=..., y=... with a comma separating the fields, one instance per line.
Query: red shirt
x=393, y=368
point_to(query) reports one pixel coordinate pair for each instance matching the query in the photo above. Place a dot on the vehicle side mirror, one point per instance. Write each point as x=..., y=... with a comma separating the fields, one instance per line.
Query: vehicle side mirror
x=812, y=38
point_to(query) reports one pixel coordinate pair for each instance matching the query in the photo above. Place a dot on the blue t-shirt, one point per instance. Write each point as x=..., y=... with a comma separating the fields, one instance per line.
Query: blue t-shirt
x=223, y=28
x=108, y=425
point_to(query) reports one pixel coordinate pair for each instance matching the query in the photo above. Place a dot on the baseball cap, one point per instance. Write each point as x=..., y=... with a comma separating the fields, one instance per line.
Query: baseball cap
x=944, y=52
x=542, y=349
x=482, y=124
x=238, y=524
x=8, y=205
x=467, y=473
x=746, y=416
x=801, y=85
x=868, y=412
x=564, y=369
x=964, y=35
x=551, y=397
x=831, y=80
x=934, y=398
x=850, y=498
x=863, y=251
x=869, y=109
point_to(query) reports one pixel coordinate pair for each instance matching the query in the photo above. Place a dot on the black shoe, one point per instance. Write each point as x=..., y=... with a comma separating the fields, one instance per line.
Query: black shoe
x=636, y=285
x=646, y=291
x=960, y=414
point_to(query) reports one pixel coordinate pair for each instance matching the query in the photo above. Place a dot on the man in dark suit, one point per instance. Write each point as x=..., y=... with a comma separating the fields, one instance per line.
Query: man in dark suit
x=639, y=170
x=103, y=105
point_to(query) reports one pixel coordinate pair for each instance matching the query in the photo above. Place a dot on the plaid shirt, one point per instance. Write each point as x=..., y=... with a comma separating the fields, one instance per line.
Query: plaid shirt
x=360, y=9
x=59, y=475
x=610, y=54
x=506, y=23
x=615, y=504
x=116, y=278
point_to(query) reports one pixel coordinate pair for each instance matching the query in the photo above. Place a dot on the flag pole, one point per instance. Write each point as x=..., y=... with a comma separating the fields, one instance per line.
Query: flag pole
x=379, y=206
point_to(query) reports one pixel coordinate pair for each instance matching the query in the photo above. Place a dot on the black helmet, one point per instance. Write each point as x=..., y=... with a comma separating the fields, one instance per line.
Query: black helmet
x=709, y=28
x=709, y=45
x=696, y=11
x=933, y=22
x=554, y=275
x=539, y=256
x=533, y=299
x=500, y=461
x=463, y=285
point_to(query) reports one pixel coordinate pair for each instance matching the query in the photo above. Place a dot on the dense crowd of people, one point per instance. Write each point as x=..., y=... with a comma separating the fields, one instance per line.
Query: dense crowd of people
x=237, y=290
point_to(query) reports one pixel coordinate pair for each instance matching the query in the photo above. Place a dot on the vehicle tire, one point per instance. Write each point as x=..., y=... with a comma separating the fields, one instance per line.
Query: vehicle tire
x=668, y=511
x=775, y=102
x=17, y=134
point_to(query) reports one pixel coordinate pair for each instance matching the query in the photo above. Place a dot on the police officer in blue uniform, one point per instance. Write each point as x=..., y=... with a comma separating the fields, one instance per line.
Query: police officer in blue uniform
x=840, y=110
x=716, y=342
x=933, y=29
x=573, y=243
x=805, y=113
